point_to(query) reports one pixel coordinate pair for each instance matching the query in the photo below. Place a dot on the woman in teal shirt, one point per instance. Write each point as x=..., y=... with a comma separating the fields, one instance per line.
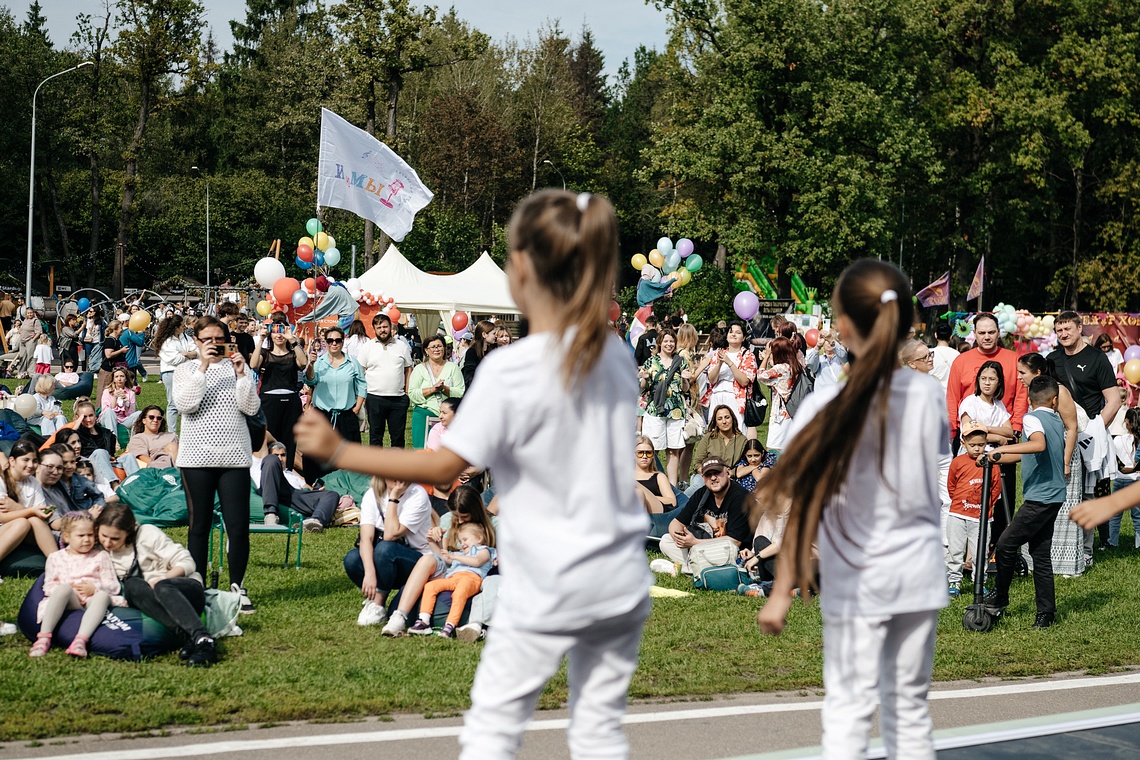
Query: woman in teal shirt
x=339, y=391
x=430, y=383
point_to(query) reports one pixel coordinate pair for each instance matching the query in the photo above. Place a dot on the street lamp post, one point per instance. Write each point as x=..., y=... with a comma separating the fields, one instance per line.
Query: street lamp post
x=32, y=179
x=555, y=168
x=195, y=168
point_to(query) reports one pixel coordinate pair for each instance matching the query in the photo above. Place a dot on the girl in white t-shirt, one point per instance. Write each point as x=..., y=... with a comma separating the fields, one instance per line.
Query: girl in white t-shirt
x=861, y=475
x=575, y=581
x=985, y=405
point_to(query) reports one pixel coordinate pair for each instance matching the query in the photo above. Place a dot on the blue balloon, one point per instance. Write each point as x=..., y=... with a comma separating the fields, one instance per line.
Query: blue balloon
x=318, y=259
x=303, y=264
x=300, y=297
x=84, y=304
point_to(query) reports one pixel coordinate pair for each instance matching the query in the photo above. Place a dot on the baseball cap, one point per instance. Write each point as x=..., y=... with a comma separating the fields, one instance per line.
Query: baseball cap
x=712, y=463
x=973, y=428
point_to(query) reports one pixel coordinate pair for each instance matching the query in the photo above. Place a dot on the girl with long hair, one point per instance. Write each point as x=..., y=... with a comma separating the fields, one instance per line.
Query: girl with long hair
x=24, y=511
x=781, y=369
x=575, y=580
x=482, y=341
x=859, y=476
x=174, y=348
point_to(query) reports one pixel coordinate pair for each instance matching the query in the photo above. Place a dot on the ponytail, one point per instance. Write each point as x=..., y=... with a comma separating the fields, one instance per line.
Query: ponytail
x=572, y=241
x=876, y=297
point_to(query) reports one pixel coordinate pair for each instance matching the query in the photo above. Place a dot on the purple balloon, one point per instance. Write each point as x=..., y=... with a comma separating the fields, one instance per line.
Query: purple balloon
x=1132, y=352
x=684, y=247
x=746, y=304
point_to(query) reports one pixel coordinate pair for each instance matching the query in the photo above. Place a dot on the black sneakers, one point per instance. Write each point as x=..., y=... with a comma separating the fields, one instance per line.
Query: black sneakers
x=203, y=653
x=1043, y=620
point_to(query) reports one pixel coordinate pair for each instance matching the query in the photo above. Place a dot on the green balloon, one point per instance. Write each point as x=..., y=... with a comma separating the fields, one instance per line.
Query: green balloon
x=313, y=226
x=694, y=262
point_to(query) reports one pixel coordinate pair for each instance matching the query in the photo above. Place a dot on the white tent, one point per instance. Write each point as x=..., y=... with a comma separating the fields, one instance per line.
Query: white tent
x=480, y=289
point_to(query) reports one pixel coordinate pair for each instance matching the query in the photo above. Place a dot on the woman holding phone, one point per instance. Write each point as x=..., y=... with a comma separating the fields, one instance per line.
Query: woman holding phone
x=278, y=357
x=213, y=394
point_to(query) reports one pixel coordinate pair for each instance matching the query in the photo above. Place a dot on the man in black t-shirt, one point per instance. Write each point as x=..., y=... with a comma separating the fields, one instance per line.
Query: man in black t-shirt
x=1088, y=375
x=647, y=342
x=715, y=511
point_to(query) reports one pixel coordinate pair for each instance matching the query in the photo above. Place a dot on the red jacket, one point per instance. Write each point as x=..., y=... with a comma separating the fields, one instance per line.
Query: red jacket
x=964, y=482
x=963, y=373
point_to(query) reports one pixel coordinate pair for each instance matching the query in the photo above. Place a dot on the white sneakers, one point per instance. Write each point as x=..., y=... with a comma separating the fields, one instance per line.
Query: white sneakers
x=372, y=614
x=7, y=629
x=271, y=519
x=396, y=625
x=312, y=525
x=470, y=633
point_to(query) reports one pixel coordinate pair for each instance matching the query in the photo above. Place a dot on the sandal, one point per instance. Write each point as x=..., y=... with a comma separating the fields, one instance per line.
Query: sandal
x=41, y=646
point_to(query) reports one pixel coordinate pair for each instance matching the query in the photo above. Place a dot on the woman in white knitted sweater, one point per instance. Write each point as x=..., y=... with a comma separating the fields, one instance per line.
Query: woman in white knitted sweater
x=213, y=394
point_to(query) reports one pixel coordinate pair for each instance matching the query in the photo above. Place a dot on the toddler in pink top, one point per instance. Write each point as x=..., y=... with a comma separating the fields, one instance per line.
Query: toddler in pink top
x=80, y=577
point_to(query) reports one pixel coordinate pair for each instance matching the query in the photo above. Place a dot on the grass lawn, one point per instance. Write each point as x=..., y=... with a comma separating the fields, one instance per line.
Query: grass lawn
x=303, y=657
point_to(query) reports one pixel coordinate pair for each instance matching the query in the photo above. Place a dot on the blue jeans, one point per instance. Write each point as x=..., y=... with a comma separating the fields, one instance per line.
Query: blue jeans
x=393, y=561
x=1114, y=523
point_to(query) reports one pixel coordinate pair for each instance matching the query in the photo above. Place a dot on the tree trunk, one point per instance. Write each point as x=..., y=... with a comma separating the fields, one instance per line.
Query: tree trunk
x=1079, y=181
x=130, y=180
x=43, y=224
x=721, y=258
x=96, y=218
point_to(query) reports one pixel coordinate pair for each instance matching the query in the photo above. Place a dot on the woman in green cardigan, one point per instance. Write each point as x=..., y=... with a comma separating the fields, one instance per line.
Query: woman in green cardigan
x=431, y=382
x=723, y=439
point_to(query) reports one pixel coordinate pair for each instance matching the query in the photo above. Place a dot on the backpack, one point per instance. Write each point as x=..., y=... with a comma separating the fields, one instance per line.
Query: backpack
x=714, y=565
x=805, y=384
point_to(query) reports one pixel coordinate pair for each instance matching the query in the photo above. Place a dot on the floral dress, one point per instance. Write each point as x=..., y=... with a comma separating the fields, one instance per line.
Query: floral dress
x=674, y=406
x=779, y=379
x=726, y=390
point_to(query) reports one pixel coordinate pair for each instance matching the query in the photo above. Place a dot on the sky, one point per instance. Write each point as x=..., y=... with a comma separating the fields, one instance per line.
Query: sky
x=618, y=26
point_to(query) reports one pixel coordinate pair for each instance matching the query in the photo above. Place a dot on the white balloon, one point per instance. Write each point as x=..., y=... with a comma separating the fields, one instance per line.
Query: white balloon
x=268, y=271
x=25, y=405
x=353, y=284
x=665, y=245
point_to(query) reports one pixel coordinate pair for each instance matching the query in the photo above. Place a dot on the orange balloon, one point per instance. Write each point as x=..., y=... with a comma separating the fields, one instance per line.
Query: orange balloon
x=394, y=315
x=284, y=289
x=310, y=284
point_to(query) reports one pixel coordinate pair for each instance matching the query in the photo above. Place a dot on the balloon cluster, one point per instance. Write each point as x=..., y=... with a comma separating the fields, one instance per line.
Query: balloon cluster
x=678, y=265
x=1022, y=323
x=1132, y=364
x=317, y=249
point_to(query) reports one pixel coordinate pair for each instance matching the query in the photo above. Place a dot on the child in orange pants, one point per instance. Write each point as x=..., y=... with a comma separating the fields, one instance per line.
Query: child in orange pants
x=464, y=578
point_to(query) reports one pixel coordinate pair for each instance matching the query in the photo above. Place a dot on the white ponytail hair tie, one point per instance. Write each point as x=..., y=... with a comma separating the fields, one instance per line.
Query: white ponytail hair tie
x=888, y=296
x=583, y=201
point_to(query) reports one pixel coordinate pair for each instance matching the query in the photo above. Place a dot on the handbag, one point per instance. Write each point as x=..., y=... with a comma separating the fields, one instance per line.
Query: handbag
x=714, y=564
x=695, y=426
x=755, y=407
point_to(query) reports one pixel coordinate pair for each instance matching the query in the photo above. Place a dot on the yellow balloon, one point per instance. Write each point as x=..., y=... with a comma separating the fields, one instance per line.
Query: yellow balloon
x=656, y=259
x=139, y=321
x=306, y=241
x=638, y=261
x=322, y=241
x=264, y=307
x=686, y=276
x=1132, y=371
x=332, y=243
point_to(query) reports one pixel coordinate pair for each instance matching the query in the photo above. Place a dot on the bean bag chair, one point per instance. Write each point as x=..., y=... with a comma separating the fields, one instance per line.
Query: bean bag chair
x=23, y=561
x=82, y=388
x=126, y=633
x=155, y=495
x=348, y=484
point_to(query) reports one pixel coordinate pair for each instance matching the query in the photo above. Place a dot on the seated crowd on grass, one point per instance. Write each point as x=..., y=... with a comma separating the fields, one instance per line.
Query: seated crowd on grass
x=699, y=455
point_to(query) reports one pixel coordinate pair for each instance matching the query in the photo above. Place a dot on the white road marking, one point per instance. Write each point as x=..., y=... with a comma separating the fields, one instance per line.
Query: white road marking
x=661, y=716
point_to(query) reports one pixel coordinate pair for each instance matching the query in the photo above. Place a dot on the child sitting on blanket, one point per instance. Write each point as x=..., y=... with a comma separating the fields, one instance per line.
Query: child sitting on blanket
x=464, y=578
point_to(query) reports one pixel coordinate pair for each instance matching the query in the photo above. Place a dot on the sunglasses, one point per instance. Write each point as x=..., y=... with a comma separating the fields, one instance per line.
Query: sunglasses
x=334, y=340
x=69, y=366
x=154, y=417
x=644, y=454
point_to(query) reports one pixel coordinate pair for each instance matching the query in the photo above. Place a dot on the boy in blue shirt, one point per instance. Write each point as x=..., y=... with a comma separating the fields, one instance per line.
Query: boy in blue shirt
x=1041, y=454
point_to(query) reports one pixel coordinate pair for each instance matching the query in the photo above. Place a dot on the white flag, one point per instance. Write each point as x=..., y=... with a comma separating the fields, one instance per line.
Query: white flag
x=358, y=173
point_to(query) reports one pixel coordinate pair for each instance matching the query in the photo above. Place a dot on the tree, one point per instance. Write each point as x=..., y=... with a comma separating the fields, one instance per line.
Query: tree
x=159, y=38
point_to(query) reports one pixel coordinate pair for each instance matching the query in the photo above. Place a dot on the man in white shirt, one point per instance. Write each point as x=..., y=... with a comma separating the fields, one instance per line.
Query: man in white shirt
x=387, y=364
x=944, y=353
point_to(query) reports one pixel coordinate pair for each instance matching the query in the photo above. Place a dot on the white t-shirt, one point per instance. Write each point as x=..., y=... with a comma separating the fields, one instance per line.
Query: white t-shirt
x=31, y=494
x=414, y=511
x=944, y=356
x=572, y=531
x=989, y=415
x=43, y=354
x=384, y=365
x=1125, y=450
x=880, y=539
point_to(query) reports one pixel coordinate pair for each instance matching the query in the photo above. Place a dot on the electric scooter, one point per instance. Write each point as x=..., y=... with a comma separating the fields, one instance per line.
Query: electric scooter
x=980, y=617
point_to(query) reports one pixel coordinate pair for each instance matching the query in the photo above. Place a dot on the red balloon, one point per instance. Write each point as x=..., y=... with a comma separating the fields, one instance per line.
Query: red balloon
x=811, y=337
x=615, y=311
x=322, y=283
x=305, y=253
x=284, y=289
x=394, y=315
x=459, y=321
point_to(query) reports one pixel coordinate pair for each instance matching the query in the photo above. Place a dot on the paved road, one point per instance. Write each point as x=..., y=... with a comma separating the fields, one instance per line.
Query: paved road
x=718, y=728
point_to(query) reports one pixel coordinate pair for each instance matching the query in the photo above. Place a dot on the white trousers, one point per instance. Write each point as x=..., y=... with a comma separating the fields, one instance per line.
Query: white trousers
x=962, y=535
x=889, y=657
x=669, y=548
x=515, y=667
